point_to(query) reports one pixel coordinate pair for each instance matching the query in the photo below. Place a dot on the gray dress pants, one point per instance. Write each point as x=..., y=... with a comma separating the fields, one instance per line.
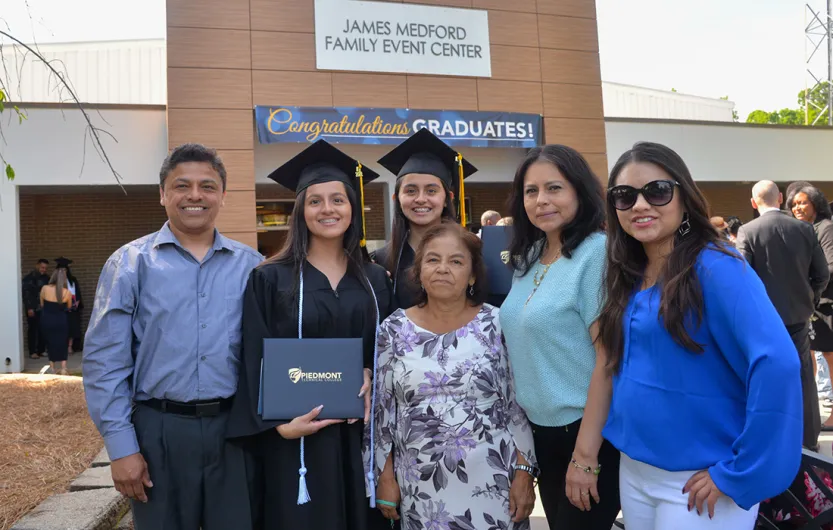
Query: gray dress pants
x=199, y=479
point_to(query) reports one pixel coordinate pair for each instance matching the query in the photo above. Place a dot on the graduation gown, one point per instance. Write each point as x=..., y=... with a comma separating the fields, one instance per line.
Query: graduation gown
x=333, y=456
x=74, y=318
x=406, y=290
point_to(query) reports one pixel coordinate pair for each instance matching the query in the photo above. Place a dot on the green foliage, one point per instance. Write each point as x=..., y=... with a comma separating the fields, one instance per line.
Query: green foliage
x=817, y=100
x=21, y=115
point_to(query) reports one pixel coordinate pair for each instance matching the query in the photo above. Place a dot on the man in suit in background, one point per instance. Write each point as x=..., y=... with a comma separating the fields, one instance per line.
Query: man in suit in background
x=489, y=218
x=789, y=260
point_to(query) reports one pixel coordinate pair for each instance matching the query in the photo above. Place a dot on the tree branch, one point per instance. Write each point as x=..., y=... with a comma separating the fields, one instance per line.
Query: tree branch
x=92, y=130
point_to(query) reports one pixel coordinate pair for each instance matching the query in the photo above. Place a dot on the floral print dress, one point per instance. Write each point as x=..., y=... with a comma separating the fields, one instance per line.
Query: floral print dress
x=446, y=408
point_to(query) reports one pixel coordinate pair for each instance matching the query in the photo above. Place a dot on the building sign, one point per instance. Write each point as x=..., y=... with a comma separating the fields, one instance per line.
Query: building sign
x=404, y=38
x=352, y=125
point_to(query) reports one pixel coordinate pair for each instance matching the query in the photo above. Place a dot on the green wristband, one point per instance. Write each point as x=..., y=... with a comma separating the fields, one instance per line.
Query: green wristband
x=386, y=503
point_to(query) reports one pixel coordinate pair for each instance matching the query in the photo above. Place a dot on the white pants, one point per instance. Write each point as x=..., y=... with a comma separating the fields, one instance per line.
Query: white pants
x=653, y=499
x=823, y=377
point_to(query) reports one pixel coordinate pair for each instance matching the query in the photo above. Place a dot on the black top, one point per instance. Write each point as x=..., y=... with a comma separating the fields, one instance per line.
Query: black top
x=424, y=153
x=319, y=163
x=32, y=285
x=347, y=312
x=824, y=233
x=406, y=290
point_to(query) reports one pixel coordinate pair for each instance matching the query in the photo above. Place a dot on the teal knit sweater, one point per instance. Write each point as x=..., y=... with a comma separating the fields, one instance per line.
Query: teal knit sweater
x=548, y=338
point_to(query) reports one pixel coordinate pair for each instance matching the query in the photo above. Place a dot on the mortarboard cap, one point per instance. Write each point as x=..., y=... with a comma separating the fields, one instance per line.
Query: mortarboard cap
x=319, y=163
x=425, y=153
x=62, y=263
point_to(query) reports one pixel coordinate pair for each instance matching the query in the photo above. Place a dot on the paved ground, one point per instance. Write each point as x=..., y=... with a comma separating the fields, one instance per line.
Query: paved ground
x=33, y=366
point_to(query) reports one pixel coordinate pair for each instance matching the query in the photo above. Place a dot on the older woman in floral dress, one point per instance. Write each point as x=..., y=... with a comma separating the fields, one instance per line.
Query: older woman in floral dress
x=463, y=455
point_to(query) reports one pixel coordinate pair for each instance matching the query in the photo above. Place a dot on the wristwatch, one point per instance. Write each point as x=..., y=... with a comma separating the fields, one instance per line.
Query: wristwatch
x=534, y=471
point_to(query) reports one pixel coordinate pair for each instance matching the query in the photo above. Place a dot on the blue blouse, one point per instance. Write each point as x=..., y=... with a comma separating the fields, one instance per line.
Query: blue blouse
x=735, y=409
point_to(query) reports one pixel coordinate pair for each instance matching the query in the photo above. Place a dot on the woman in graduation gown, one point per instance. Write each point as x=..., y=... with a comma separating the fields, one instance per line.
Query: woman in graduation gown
x=322, y=256
x=76, y=335
x=426, y=171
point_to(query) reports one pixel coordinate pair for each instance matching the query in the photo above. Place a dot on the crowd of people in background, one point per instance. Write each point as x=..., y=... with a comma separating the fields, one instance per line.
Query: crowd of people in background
x=648, y=358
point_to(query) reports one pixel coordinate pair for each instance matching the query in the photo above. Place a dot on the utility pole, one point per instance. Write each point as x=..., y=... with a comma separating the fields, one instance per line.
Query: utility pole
x=819, y=31
x=830, y=62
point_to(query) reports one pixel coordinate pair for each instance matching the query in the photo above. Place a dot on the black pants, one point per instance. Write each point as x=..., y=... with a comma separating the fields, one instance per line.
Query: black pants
x=199, y=479
x=36, y=345
x=554, y=449
x=800, y=334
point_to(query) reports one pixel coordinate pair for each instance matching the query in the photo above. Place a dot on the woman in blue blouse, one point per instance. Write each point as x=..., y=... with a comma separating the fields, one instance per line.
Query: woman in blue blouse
x=549, y=323
x=706, y=403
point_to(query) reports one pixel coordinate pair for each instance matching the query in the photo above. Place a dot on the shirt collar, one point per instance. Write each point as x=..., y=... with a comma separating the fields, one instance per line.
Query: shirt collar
x=766, y=209
x=166, y=236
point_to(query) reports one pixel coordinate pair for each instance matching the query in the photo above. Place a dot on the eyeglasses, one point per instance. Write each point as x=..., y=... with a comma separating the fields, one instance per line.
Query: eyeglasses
x=656, y=193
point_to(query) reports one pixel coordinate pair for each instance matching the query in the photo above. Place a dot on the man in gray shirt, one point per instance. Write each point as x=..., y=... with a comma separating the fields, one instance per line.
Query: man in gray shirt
x=162, y=352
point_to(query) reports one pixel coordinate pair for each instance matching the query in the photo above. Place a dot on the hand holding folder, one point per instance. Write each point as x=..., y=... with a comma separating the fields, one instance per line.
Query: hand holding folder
x=305, y=425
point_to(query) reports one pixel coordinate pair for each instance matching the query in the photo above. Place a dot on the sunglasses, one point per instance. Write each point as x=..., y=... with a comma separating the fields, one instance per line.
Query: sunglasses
x=656, y=193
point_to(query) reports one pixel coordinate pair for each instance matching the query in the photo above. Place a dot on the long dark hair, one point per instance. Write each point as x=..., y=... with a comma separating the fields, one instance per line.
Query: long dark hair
x=59, y=280
x=480, y=290
x=296, y=246
x=401, y=225
x=816, y=197
x=682, y=297
x=526, y=248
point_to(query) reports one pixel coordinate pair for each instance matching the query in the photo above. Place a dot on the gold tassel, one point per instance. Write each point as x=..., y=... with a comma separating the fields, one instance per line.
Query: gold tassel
x=462, y=190
x=360, y=176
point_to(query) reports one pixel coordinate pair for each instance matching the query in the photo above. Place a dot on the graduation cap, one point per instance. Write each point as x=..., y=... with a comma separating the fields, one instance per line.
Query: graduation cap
x=62, y=263
x=424, y=153
x=319, y=163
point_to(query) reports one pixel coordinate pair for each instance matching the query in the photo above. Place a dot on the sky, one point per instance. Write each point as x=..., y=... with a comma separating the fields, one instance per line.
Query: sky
x=750, y=50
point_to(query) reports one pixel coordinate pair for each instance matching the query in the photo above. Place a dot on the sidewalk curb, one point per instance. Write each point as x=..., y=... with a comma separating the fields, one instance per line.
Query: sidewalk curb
x=87, y=505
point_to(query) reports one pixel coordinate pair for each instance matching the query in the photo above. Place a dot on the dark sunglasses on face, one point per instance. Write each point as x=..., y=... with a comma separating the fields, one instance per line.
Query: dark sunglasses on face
x=656, y=193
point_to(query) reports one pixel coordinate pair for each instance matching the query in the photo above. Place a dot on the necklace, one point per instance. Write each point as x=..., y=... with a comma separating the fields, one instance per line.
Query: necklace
x=542, y=270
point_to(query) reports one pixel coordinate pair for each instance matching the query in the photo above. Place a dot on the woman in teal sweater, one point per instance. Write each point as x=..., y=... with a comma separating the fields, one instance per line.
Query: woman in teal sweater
x=707, y=407
x=549, y=323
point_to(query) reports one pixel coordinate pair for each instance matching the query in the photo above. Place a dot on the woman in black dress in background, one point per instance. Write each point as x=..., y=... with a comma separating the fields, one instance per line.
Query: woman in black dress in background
x=56, y=300
x=321, y=260
x=76, y=334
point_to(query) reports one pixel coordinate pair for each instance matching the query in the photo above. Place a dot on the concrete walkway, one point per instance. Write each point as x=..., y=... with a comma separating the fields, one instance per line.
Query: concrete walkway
x=34, y=366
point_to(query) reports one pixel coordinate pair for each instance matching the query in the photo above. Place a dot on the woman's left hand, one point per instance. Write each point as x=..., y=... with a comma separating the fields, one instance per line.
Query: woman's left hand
x=701, y=488
x=582, y=485
x=521, y=496
x=364, y=392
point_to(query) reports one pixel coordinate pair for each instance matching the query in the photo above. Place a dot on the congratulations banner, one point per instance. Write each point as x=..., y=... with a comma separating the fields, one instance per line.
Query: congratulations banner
x=391, y=126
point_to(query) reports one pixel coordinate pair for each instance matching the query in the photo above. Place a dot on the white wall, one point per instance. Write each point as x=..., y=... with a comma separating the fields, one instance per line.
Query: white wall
x=126, y=72
x=47, y=151
x=627, y=101
x=11, y=300
x=733, y=152
x=49, y=148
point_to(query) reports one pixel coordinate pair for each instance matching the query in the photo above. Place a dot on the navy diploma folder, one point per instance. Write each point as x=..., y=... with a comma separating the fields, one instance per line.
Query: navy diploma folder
x=297, y=375
x=496, y=241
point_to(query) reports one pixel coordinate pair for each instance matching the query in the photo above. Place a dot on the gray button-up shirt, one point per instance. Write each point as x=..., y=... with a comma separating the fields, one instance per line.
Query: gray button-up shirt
x=163, y=326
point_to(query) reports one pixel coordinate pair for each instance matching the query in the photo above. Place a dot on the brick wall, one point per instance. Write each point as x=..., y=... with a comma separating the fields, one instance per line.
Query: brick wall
x=87, y=228
x=491, y=196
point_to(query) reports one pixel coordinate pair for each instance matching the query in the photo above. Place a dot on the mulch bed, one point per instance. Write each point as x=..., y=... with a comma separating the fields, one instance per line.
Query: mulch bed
x=47, y=440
